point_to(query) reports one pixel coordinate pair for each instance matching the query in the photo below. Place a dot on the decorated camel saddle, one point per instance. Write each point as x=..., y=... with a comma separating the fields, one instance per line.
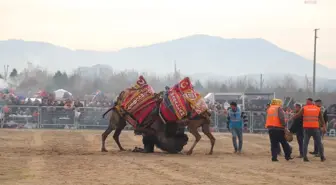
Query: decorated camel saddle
x=138, y=102
x=182, y=102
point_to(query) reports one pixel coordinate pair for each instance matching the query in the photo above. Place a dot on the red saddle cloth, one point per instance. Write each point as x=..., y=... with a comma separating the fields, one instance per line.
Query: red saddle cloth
x=139, y=102
x=182, y=100
x=173, y=106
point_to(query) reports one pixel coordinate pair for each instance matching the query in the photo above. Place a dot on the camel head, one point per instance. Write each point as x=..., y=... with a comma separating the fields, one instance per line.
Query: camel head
x=172, y=143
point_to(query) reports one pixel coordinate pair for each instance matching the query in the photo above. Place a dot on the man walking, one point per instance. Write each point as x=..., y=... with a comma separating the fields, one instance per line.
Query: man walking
x=297, y=128
x=279, y=149
x=312, y=117
x=325, y=117
x=235, y=125
x=275, y=123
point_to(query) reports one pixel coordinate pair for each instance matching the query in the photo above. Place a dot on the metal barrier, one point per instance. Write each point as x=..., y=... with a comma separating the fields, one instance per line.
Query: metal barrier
x=91, y=118
x=219, y=119
x=331, y=122
x=252, y=123
x=56, y=118
x=257, y=121
x=20, y=117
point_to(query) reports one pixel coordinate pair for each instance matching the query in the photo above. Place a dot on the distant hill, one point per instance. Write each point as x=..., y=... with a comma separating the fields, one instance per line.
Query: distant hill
x=198, y=54
x=269, y=79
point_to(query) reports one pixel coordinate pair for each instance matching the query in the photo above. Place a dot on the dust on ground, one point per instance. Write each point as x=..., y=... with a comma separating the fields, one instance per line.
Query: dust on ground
x=43, y=157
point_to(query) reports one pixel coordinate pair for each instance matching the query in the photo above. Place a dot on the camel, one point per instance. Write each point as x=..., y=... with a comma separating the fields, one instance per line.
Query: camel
x=118, y=123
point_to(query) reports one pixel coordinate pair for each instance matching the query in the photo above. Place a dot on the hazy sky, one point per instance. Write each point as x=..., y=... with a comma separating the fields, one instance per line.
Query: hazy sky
x=116, y=24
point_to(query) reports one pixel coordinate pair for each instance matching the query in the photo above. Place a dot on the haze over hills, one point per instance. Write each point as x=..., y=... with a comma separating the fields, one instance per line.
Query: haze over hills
x=198, y=54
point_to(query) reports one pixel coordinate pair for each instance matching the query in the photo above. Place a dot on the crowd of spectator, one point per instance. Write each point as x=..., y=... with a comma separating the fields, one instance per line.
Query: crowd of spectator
x=17, y=112
x=57, y=114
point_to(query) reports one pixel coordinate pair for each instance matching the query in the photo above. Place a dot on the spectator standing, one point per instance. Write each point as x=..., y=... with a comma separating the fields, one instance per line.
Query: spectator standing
x=235, y=124
x=297, y=128
x=318, y=103
x=275, y=123
x=312, y=118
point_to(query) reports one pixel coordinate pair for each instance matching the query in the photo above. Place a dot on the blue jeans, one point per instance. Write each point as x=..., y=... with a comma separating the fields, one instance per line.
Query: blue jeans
x=237, y=132
x=315, y=144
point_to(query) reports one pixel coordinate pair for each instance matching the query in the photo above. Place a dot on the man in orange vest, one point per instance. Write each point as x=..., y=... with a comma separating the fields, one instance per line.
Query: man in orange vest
x=275, y=123
x=312, y=117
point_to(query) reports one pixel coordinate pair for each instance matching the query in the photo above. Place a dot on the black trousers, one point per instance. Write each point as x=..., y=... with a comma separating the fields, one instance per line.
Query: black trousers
x=278, y=136
x=299, y=138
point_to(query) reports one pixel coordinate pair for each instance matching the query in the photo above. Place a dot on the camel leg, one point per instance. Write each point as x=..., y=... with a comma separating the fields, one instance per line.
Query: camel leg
x=104, y=136
x=117, y=133
x=206, y=131
x=193, y=130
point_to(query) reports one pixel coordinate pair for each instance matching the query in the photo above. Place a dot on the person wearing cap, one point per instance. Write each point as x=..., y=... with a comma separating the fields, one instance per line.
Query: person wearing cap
x=318, y=103
x=275, y=123
x=235, y=125
x=312, y=119
x=279, y=149
x=297, y=128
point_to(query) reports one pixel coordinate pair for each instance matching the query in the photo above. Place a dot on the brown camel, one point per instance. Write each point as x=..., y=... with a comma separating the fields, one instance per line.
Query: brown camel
x=193, y=125
x=118, y=123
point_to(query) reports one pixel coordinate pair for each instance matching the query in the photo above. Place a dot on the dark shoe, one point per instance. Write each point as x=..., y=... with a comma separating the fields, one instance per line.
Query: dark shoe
x=289, y=158
x=235, y=151
x=323, y=159
x=313, y=153
x=275, y=160
x=305, y=159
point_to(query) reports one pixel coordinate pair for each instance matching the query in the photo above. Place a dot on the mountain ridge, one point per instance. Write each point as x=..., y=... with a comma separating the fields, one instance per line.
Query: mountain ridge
x=193, y=54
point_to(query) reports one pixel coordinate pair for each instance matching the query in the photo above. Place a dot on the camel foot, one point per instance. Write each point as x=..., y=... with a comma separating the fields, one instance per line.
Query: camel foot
x=210, y=153
x=136, y=149
x=103, y=150
x=189, y=152
x=121, y=150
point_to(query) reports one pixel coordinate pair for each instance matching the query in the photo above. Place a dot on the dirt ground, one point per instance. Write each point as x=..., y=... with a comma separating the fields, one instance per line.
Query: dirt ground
x=43, y=157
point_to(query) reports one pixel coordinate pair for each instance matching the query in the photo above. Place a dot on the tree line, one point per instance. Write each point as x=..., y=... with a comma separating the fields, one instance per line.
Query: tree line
x=112, y=82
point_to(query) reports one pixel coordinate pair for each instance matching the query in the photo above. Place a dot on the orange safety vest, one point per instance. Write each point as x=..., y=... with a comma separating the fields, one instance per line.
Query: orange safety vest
x=311, y=116
x=273, y=119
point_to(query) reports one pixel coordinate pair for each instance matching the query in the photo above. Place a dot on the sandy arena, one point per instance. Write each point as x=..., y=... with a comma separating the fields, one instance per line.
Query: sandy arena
x=43, y=157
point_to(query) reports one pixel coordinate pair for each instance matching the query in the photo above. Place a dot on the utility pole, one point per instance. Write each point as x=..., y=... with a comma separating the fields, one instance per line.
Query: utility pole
x=261, y=83
x=175, y=72
x=314, y=65
x=6, y=72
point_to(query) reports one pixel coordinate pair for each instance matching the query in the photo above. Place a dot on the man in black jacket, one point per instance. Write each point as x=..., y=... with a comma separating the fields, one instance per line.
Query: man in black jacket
x=318, y=103
x=297, y=128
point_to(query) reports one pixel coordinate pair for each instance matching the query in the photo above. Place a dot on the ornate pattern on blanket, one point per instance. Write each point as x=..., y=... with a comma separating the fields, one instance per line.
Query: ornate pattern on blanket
x=139, y=101
x=173, y=106
x=196, y=101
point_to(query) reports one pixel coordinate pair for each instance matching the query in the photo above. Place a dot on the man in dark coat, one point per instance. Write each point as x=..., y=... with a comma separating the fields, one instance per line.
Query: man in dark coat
x=318, y=103
x=297, y=128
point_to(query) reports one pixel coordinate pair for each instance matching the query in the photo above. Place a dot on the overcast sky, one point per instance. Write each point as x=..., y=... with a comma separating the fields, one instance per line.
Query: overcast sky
x=115, y=24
